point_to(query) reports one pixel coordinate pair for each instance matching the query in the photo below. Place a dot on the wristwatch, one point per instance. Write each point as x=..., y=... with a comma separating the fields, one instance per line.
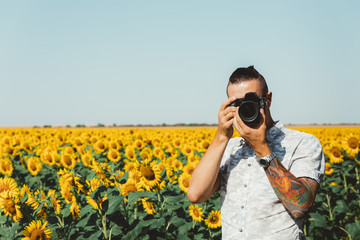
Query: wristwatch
x=265, y=161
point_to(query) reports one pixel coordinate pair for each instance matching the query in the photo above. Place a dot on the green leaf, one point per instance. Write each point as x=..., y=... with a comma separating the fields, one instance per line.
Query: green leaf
x=134, y=196
x=185, y=228
x=157, y=223
x=353, y=229
x=341, y=207
x=85, y=210
x=114, y=204
x=318, y=220
x=3, y=219
x=116, y=230
x=177, y=222
x=182, y=237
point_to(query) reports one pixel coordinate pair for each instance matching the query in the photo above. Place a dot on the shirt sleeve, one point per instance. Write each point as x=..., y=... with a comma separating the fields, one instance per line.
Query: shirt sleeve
x=308, y=159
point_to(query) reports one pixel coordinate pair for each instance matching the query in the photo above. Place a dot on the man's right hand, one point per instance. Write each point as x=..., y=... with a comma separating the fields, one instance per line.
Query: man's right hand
x=226, y=118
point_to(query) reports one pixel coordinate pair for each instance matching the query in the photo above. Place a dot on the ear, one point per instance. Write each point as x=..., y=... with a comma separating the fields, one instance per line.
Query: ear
x=268, y=99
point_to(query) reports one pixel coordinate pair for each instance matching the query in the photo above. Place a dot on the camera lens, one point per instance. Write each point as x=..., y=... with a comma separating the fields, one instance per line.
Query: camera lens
x=249, y=112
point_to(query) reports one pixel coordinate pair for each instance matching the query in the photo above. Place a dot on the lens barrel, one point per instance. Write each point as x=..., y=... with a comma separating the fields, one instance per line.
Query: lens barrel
x=249, y=112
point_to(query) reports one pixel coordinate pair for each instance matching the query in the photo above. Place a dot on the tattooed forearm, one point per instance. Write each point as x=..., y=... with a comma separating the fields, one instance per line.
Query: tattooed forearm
x=295, y=194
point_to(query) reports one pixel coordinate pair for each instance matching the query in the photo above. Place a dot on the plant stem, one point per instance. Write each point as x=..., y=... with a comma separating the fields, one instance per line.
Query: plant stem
x=345, y=184
x=329, y=206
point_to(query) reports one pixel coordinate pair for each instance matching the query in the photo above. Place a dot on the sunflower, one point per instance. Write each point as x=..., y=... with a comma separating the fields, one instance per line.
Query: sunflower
x=103, y=173
x=130, y=153
x=96, y=204
x=184, y=181
x=333, y=151
x=9, y=184
x=328, y=169
x=8, y=203
x=177, y=165
x=87, y=158
x=49, y=157
x=100, y=146
x=92, y=202
x=34, y=204
x=114, y=145
x=214, y=220
x=129, y=166
x=37, y=230
x=196, y=213
x=146, y=155
x=129, y=186
x=159, y=153
x=351, y=144
x=187, y=150
x=177, y=143
x=67, y=160
x=34, y=165
x=6, y=167
x=150, y=175
x=195, y=159
x=93, y=184
x=114, y=155
x=148, y=206
x=189, y=168
x=135, y=175
x=66, y=194
x=74, y=209
x=138, y=144
x=55, y=201
x=204, y=145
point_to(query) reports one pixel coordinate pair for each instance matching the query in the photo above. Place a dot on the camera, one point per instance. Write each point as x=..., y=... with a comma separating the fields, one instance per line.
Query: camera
x=249, y=107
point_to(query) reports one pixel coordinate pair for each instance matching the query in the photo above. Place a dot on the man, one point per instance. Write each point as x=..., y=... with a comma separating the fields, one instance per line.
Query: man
x=268, y=177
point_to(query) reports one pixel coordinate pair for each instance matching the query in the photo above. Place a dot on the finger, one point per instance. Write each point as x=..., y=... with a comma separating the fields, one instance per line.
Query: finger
x=263, y=115
x=226, y=103
x=238, y=119
x=229, y=115
x=228, y=110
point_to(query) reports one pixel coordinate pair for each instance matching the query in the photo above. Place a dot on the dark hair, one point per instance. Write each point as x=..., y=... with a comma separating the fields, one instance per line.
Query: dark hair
x=246, y=74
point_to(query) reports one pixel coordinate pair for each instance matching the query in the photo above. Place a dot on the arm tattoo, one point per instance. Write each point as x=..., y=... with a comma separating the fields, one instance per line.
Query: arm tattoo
x=295, y=194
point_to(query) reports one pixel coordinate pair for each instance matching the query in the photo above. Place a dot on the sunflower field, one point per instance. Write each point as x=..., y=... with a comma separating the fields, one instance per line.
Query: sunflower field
x=131, y=183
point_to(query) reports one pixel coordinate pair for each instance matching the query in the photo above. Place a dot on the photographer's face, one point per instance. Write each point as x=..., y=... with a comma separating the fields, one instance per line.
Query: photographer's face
x=238, y=90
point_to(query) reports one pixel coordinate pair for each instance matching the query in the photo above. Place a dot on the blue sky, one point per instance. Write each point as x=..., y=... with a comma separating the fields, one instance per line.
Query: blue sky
x=154, y=62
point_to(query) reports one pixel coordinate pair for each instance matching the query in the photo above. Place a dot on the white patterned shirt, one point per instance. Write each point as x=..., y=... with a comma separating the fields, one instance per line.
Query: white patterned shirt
x=249, y=207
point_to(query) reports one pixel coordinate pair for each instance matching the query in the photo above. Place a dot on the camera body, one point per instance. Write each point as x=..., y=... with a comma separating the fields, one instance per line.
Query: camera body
x=249, y=108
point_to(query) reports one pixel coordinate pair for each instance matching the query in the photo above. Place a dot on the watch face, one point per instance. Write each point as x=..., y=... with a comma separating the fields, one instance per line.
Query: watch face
x=263, y=162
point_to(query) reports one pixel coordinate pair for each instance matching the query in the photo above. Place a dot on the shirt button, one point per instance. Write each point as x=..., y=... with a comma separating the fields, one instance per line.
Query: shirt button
x=245, y=185
x=241, y=230
x=249, y=165
x=242, y=207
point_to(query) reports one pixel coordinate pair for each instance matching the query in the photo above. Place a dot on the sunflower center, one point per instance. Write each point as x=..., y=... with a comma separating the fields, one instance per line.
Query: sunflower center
x=5, y=166
x=33, y=166
x=196, y=213
x=9, y=205
x=67, y=160
x=214, y=219
x=185, y=182
x=114, y=155
x=37, y=234
x=336, y=152
x=101, y=145
x=353, y=143
x=48, y=157
x=147, y=172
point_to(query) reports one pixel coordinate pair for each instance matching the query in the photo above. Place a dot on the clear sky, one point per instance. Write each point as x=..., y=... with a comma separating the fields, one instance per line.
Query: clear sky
x=154, y=62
